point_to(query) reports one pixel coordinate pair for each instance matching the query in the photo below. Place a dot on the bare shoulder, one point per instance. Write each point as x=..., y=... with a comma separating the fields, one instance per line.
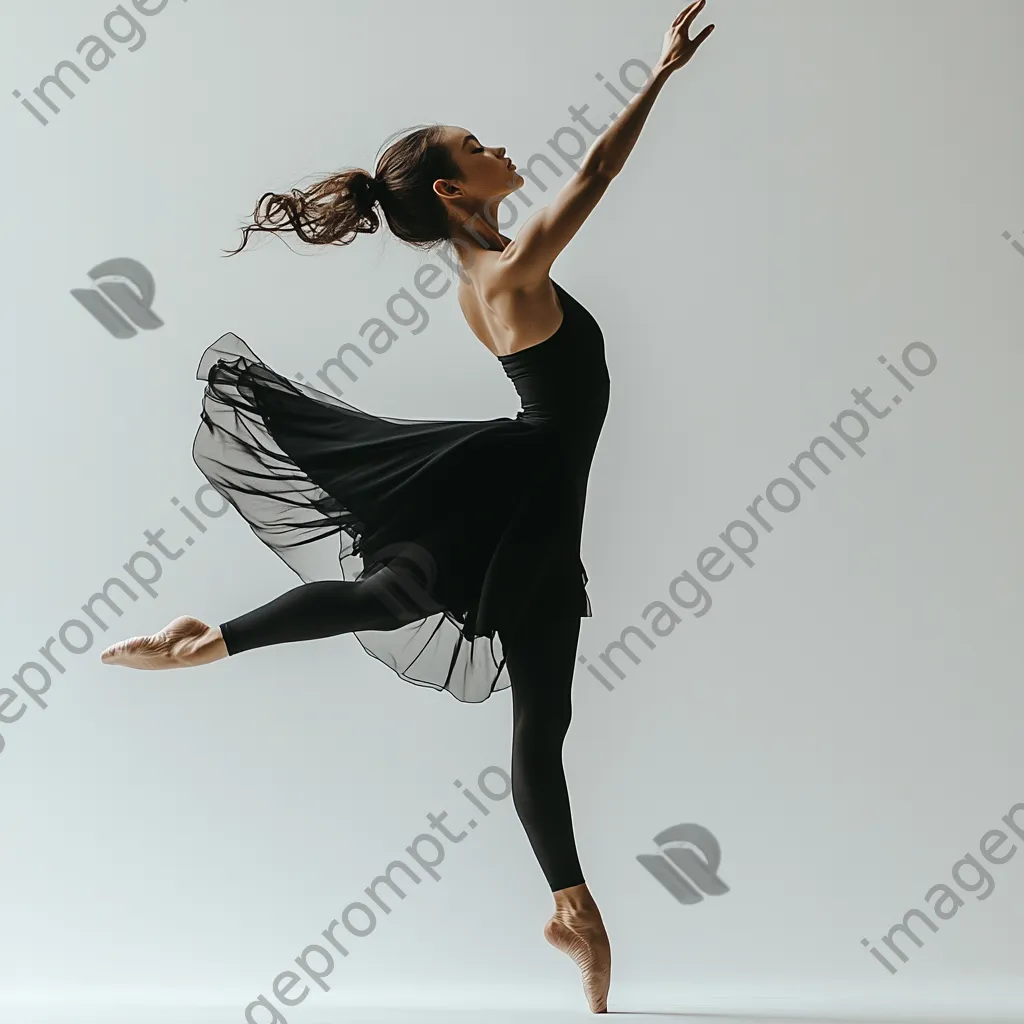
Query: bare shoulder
x=508, y=312
x=504, y=276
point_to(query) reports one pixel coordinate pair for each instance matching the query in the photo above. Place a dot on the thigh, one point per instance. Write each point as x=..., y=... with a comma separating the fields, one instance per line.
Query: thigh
x=401, y=592
x=541, y=650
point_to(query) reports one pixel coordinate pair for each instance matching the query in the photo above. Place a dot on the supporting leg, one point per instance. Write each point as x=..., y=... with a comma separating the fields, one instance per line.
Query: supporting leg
x=541, y=658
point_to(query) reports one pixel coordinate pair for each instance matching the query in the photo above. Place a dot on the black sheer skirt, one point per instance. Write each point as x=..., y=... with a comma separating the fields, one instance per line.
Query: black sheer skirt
x=479, y=516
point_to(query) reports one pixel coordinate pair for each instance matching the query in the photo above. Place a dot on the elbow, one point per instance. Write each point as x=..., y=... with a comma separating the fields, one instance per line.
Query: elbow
x=598, y=171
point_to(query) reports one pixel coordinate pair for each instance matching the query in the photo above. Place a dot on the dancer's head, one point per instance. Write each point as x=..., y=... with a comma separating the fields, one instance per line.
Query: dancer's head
x=428, y=184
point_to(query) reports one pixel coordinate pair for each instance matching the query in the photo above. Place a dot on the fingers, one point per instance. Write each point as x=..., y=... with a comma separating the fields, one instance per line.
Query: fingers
x=683, y=13
x=700, y=39
x=687, y=15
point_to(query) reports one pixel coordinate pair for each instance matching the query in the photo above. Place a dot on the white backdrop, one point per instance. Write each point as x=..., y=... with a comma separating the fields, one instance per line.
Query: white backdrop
x=825, y=187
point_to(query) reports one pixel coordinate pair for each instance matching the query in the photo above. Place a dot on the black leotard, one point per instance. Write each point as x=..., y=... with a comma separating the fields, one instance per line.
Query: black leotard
x=479, y=518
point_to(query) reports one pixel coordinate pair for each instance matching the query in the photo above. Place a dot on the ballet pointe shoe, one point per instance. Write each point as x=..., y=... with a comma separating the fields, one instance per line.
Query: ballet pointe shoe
x=577, y=930
x=183, y=642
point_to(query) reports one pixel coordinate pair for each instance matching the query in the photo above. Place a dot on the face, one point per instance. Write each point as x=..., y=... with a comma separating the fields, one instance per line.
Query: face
x=487, y=173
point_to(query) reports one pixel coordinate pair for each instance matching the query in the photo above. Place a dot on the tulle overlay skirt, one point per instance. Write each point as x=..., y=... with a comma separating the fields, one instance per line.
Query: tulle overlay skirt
x=479, y=515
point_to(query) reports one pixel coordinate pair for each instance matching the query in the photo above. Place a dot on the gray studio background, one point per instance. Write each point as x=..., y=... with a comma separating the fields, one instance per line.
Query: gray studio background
x=826, y=183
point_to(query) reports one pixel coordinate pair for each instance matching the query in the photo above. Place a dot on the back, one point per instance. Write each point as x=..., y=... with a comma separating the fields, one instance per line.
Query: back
x=508, y=319
x=508, y=301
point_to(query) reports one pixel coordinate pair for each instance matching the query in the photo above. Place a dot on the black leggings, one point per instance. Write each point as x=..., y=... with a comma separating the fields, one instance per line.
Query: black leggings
x=540, y=657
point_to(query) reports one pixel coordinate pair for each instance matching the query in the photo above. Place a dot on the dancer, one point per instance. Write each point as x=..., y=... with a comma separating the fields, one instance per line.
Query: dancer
x=451, y=549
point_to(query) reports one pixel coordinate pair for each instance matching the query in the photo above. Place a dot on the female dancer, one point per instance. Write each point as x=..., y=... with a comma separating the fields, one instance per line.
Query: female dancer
x=448, y=536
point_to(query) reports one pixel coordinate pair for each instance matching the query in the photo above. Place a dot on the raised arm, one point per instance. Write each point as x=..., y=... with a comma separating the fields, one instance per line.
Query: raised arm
x=529, y=257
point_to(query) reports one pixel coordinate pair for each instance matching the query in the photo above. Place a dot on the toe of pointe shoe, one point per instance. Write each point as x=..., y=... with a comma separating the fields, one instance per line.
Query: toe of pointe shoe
x=599, y=1004
x=112, y=655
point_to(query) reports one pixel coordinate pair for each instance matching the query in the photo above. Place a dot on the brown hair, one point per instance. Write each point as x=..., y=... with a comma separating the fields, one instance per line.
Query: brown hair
x=337, y=208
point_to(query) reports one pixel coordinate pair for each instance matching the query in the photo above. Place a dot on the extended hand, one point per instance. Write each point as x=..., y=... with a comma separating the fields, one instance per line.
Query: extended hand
x=678, y=48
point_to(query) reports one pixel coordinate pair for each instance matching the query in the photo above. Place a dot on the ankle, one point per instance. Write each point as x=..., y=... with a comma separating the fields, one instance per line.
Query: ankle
x=211, y=637
x=575, y=899
x=202, y=648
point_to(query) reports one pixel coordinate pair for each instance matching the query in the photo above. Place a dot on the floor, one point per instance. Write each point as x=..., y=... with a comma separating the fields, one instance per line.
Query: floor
x=363, y=1015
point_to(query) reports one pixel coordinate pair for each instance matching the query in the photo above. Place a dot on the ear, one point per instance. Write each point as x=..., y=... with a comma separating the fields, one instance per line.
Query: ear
x=446, y=189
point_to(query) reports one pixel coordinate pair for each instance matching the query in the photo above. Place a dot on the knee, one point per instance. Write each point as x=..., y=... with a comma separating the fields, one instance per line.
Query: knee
x=402, y=595
x=545, y=725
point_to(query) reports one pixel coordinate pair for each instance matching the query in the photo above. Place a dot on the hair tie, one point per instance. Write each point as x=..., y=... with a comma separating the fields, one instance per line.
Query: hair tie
x=374, y=189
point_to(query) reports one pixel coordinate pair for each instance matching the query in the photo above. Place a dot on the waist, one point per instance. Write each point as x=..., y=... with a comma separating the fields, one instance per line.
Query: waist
x=561, y=419
x=580, y=396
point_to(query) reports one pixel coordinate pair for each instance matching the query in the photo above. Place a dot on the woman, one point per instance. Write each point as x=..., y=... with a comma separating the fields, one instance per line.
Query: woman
x=457, y=543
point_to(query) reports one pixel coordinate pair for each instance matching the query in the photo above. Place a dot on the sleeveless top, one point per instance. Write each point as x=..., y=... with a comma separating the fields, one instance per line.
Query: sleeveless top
x=488, y=512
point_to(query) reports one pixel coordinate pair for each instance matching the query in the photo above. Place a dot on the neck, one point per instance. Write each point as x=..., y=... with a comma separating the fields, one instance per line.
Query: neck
x=477, y=233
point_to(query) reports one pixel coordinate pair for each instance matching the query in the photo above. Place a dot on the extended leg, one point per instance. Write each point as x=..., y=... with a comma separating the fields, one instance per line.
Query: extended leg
x=327, y=608
x=385, y=600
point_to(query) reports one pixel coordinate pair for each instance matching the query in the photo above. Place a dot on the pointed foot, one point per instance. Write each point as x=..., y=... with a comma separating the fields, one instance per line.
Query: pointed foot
x=183, y=642
x=580, y=934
